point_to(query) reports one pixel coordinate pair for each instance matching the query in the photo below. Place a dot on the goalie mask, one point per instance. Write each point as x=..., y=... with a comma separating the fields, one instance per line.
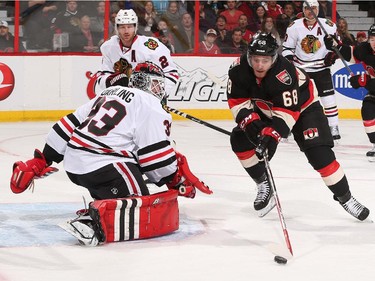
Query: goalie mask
x=263, y=44
x=148, y=77
x=126, y=17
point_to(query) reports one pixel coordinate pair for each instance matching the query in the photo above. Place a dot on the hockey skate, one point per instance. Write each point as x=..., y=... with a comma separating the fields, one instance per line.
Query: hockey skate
x=264, y=202
x=335, y=133
x=371, y=154
x=356, y=209
x=82, y=229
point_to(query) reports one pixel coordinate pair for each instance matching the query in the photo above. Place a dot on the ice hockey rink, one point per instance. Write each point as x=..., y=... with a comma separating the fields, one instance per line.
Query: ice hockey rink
x=220, y=236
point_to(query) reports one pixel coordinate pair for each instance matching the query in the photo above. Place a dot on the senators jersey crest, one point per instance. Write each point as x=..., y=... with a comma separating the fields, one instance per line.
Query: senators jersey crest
x=151, y=44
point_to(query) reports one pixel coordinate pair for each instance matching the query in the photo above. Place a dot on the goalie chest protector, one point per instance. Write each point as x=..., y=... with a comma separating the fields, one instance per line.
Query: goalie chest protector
x=138, y=217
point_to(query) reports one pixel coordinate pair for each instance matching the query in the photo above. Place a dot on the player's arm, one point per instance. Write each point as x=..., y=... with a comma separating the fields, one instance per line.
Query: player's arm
x=290, y=42
x=162, y=57
x=241, y=105
x=39, y=166
x=159, y=161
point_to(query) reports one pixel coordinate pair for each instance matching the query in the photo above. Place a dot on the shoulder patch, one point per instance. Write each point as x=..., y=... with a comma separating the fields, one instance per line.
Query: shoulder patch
x=284, y=77
x=151, y=44
x=329, y=22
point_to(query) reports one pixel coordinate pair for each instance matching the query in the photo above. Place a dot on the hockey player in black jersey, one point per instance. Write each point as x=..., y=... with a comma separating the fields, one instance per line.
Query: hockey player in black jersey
x=365, y=53
x=269, y=97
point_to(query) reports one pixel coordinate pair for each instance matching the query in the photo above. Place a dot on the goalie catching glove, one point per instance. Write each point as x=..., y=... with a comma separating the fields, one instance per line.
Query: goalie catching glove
x=185, y=181
x=24, y=173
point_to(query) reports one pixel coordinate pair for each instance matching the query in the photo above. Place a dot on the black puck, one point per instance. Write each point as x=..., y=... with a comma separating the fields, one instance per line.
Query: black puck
x=280, y=260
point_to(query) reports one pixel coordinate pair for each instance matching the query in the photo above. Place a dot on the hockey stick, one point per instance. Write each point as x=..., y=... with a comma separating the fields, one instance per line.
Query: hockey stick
x=267, y=165
x=278, y=205
x=333, y=47
x=192, y=118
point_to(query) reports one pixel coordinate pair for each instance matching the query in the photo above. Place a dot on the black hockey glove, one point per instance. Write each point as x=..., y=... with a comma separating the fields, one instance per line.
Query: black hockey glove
x=268, y=141
x=252, y=125
x=331, y=41
x=358, y=81
x=117, y=79
x=330, y=58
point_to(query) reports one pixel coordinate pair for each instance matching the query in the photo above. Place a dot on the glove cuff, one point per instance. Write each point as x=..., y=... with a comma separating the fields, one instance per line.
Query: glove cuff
x=248, y=119
x=269, y=131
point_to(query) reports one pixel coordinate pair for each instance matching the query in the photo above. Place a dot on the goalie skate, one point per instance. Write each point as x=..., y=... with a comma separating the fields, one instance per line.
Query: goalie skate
x=81, y=228
x=265, y=201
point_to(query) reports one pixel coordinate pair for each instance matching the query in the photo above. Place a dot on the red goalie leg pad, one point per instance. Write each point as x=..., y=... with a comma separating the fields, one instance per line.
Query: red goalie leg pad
x=137, y=217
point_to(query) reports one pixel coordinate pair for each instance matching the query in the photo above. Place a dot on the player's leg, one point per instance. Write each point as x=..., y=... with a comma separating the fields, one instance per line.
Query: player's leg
x=118, y=180
x=368, y=117
x=245, y=152
x=312, y=134
x=326, y=91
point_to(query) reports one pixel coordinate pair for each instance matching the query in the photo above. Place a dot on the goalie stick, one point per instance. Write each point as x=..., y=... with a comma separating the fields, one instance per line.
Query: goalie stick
x=266, y=162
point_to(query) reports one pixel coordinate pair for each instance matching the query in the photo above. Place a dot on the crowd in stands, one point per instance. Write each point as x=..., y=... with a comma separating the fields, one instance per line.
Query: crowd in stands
x=225, y=27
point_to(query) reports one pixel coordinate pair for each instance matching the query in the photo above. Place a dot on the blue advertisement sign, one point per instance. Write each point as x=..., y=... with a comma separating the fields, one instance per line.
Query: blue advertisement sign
x=342, y=84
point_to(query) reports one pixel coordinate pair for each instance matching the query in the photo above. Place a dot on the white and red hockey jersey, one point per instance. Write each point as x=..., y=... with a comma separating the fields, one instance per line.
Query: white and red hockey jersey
x=120, y=125
x=306, y=43
x=143, y=49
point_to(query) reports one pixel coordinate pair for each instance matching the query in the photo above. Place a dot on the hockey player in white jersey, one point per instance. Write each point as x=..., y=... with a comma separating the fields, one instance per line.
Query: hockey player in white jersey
x=126, y=49
x=108, y=145
x=304, y=46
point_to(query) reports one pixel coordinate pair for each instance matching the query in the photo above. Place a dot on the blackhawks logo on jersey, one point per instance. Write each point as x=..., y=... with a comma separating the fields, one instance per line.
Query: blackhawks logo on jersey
x=310, y=44
x=151, y=44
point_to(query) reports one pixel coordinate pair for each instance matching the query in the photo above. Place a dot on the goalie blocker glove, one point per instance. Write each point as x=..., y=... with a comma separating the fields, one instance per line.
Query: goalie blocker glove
x=24, y=173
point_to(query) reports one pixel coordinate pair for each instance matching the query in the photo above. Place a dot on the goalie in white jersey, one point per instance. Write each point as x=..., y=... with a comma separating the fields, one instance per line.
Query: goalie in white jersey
x=304, y=47
x=108, y=145
x=124, y=51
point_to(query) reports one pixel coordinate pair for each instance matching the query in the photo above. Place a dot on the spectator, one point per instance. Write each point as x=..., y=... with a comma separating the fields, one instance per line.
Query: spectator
x=224, y=36
x=148, y=19
x=361, y=37
x=298, y=8
x=36, y=19
x=111, y=27
x=289, y=10
x=86, y=40
x=97, y=21
x=260, y=15
x=325, y=10
x=184, y=37
x=172, y=15
x=68, y=20
x=208, y=46
x=268, y=25
x=165, y=39
x=7, y=39
x=248, y=8
x=232, y=15
x=237, y=45
x=345, y=36
x=273, y=9
x=207, y=17
x=282, y=23
x=164, y=29
x=65, y=24
x=247, y=34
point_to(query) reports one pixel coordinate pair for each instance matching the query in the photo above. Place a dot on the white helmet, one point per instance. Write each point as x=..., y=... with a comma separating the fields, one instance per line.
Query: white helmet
x=126, y=17
x=312, y=3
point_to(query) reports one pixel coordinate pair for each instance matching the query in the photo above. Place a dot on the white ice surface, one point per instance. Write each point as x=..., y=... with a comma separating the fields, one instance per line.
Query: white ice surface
x=220, y=236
